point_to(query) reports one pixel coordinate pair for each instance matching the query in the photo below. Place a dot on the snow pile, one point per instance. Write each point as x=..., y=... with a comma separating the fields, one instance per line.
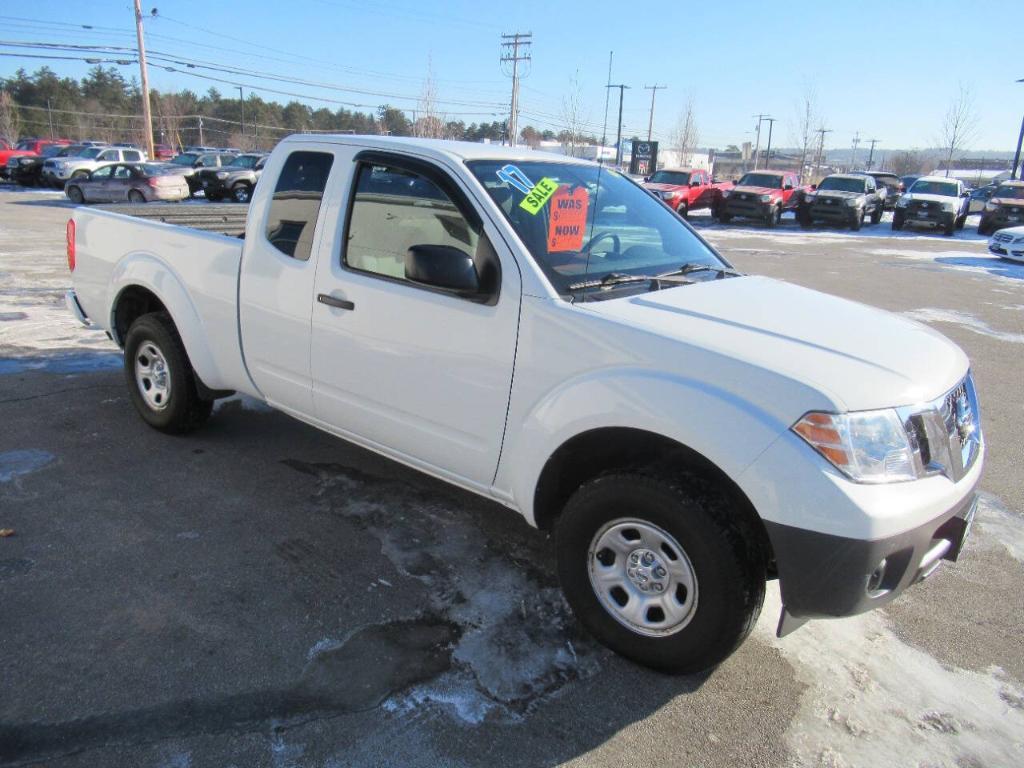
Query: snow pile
x=964, y=320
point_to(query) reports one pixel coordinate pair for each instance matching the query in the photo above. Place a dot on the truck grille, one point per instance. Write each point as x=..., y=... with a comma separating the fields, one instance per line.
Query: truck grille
x=1002, y=237
x=947, y=431
x=924, y=209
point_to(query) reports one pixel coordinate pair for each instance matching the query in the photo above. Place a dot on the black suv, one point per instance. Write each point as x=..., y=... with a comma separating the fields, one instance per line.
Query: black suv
x=235, y=180
x=27, y=170
x=1005, y=208
x=191, y=163
x=892, y=184
x=843, y=199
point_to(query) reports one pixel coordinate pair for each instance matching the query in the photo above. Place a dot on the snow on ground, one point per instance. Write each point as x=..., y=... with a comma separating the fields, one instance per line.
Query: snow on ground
x=964, y=320
x=793, y=233
x=873, y=700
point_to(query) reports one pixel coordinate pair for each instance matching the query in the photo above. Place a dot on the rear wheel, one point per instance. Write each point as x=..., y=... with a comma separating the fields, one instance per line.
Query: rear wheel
x=160, y=377
x=134, y=196
x=659, y=570
x=75, y=195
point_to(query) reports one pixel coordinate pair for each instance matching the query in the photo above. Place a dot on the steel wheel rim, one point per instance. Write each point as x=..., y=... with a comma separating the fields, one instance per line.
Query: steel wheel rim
x=642, y=577
x=152, y=376
x=241, y=195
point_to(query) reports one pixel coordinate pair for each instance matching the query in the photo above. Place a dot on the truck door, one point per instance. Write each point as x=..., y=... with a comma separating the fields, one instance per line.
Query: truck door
x=275, y=295
x=419, y=371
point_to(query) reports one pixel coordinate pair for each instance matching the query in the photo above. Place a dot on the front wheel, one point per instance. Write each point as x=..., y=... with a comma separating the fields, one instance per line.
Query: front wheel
x=857, y=220
x=683, y=210
x=876, y=215
x=950, y=226
x=160, y=377
x=75, y=195
x=241, y=192
x=660, y=571
x=774, y=217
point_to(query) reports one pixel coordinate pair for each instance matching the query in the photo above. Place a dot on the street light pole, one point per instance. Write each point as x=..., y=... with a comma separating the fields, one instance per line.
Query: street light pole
x=241, y=103
x=146, y=114
x=618, y=142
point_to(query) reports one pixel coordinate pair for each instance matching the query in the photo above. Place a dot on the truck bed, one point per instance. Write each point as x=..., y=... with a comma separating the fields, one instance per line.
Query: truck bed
x=223, y=218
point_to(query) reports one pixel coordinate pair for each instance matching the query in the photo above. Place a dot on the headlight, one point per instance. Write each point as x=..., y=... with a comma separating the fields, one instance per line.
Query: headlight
x=667, y=195
x=62, y=167
x=867, y=446
x=990, y=206
x=948, y=207
x=766, y=198
x=222, y=174
x=854, y=202
x=1018, y=239
x=726, y=192
x=902, y=202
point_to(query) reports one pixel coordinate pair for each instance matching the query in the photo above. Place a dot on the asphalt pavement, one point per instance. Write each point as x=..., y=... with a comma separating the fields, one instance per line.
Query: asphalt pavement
x=262, y=594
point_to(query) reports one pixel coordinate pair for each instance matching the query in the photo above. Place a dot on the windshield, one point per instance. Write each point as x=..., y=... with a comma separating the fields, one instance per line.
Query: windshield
x=25, y=146
x=840, y=184
x=186, y=159
x=671, y=177
x=52, y=150
x=244, y=161
x=943, y=188
x=770, y=180
x=592, y=222
x=91, y=152
x=1006, y=190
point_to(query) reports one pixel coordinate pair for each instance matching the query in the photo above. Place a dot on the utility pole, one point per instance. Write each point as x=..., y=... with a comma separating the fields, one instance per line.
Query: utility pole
x=821, y=148
x=618, y=140
x=853, y=157
x=654, y=92
x=768, y=152
x=1020, y=140
x=510, y=53
x=241, y=104
x=757, y=146
x=607, y=96
x=201, y=142
x=871, y=153
x=146, y=114
x=49, y=116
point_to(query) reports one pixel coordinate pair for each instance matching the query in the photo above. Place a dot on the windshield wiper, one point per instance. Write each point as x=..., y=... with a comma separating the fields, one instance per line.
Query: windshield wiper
x=620, y=278
x=692, y=267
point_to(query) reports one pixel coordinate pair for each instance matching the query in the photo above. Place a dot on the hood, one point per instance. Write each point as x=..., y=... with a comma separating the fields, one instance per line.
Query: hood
x=923, y=198
x=659, y=187
x=856, y=356
x=838, y=194
x=1012, y=201
x=757, y=190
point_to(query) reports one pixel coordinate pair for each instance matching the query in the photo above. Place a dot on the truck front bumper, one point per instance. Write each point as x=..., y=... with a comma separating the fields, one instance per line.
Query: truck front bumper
x=746, y=206
x=830, y=576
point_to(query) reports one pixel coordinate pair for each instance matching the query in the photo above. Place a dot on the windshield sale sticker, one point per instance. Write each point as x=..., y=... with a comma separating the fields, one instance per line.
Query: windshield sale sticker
x=568, y=219
x=512, y=176
x=540, y=194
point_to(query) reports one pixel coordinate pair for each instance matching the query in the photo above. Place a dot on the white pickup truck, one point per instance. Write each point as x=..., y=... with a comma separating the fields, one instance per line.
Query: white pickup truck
x=543, y=332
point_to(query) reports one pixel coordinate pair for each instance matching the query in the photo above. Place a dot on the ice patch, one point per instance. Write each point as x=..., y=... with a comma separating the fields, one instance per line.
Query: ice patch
x=964, y=320
x=870, y=697
x=17, y=463
x=322, y=646
x=1003, y=526
x=449, y=691
x=961, y=261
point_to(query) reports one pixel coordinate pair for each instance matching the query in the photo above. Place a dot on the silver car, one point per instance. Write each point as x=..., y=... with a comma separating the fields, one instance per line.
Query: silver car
x=129, y=182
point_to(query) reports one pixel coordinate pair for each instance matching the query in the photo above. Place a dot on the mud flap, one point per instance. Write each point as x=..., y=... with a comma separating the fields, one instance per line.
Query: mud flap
x=788, y=623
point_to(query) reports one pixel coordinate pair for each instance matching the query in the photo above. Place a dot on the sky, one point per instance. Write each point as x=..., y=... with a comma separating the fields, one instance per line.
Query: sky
x=882, y=70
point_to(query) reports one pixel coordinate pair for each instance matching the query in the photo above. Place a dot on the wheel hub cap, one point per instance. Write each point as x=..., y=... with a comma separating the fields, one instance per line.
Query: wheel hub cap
x=643, y=577
x=152, y=376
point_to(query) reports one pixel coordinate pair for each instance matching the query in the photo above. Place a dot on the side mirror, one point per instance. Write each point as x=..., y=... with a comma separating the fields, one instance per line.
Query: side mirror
x=646, y=179
x=813, y=187
x=442, y=266
x=788, y=186
x=965, y=193
x=695, y=184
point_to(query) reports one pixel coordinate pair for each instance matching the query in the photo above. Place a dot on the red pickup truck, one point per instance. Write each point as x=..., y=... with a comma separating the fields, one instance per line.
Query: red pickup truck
x=763, y=195
x=26, y=147
x=686, y=190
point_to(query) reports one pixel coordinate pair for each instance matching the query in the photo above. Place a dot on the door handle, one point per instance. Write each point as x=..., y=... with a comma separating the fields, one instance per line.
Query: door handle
x=330, y=301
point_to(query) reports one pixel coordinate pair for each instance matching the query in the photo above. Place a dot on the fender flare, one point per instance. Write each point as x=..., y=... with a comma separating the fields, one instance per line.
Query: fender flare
x=728, y=431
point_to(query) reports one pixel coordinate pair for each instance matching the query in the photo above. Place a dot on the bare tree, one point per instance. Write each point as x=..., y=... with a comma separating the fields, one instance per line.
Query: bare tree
x=429, y=124
x=685, y=135
x=959, y=126
x=573, y=117
x=10, y=122
x=806, y=117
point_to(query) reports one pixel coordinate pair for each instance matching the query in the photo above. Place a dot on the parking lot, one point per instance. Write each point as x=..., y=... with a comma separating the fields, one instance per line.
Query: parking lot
x=261, y=594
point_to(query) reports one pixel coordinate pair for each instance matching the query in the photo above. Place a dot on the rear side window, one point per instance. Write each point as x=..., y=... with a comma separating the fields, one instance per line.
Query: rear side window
x=296, y=202
x=132, y=156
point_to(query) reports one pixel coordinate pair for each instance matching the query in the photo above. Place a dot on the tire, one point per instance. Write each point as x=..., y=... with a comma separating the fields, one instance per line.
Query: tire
x=241, y=192
x=683, y=210
x=213, y=197
x=773, y=217
x=983, y=229
x=961, y=221
x=950, y=227
x=857, y=221
x=75, y=195
x=897, y=221
x=724, y=217
x=134, y=196
x=804, y=217
x=876, y=215
x=160, y=378
x=79, y=174
x=726, y=570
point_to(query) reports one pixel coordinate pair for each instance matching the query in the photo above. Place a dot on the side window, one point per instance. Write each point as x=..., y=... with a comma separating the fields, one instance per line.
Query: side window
x=225, y=159
x=110, y=154
x=296, y=202
x=122, y=172
x=395, y=209
x=101, y=174
x=132, y=156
